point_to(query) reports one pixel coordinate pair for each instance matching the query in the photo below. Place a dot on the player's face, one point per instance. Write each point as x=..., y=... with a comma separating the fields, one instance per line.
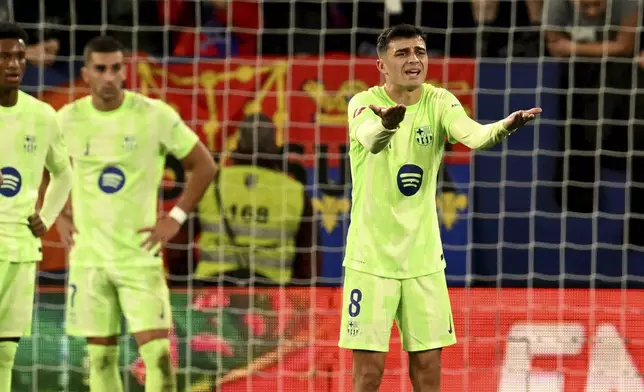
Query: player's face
x=592, y=9
x=405, y=63
x=12, y=62
x=105, y=74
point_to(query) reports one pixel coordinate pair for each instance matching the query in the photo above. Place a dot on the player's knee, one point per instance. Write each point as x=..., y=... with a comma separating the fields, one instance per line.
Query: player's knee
x=425, y=370
x=103, y=357
x=367, y=371
x=367, y=378
x=156, y=353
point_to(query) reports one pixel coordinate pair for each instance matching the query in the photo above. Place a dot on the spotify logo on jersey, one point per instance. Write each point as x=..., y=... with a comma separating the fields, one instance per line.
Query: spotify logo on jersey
x=11, y=182
x=111, y=179
x=410, y=178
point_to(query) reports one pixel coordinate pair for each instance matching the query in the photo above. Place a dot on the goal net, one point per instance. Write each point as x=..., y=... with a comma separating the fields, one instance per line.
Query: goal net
x=542, y=234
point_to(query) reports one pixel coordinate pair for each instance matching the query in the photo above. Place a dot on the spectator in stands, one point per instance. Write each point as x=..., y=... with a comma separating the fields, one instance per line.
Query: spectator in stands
x=39, y=53
x=43, y=53
x=592, y=32
x=229, y=27
x=256, y=222
x=54, y=18
x=509, y=15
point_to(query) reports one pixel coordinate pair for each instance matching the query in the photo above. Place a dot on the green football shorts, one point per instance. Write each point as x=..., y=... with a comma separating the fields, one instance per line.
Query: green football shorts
x=420, y=306
x=17, y=285
x=96, y=298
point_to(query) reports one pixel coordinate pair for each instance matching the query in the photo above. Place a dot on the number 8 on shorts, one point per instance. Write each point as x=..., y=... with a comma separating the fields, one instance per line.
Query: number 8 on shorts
x=354, y=302
x=369, y=305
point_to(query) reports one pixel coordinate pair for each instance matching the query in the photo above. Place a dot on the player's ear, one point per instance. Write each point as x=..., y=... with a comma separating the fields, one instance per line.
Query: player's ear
x=85, y=74
x=381, y=66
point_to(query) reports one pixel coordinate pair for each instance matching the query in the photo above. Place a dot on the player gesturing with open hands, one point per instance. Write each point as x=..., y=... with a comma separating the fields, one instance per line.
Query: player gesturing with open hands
x=394, y=261
x=391, y=116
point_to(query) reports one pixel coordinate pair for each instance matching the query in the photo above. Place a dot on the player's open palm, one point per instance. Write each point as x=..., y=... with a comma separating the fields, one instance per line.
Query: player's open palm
x=391, y=116
x=519, y=118
x=66, y=230
x=165, y=229
x=37, y=226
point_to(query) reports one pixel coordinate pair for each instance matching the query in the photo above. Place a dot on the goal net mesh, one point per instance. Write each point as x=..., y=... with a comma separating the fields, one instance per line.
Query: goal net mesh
x=541, y=234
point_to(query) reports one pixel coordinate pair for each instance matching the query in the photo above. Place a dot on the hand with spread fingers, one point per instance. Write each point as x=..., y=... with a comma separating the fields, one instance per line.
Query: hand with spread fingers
x=391, y=116
x=519, y=118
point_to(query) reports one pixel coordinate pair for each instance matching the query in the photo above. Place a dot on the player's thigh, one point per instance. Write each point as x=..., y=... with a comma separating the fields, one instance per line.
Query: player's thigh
x=425, y=313
x=145, y=298
x=369, y=305
x=92, y=306
x=17, y=285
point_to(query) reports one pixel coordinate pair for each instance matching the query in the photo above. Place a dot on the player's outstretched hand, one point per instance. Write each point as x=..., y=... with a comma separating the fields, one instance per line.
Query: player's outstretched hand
x=36, y=225
x=391, y=116
x=165, y=229
x=519, y=118
x=66, y=230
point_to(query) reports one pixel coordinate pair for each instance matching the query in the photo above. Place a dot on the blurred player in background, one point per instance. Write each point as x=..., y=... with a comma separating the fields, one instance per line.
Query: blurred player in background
x=118, y=141
x=32, y=141
x=394, y=259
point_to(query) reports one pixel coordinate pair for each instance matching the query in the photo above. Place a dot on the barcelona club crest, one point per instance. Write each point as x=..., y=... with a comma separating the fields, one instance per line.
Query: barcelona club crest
x=423, y=136
x=30, y=143
x=352, y=328
x=129, y=143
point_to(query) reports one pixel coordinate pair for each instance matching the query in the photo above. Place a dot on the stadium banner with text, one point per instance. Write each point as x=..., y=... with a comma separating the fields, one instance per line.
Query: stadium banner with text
x=306, y=99
x=509, y=340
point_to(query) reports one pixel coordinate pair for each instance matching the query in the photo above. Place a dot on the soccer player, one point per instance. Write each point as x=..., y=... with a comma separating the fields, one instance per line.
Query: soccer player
x=31, y=142
x=118, y=141
x=394, y=263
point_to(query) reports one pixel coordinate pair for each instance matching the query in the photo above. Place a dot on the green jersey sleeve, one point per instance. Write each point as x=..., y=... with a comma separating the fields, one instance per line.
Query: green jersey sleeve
x=57, y=157
x=176, y=137
x=448, y=108
x=358, y=111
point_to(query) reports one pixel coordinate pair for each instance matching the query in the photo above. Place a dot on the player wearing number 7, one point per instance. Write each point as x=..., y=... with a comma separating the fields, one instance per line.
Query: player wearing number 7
x=118, y=141
x=394, y=263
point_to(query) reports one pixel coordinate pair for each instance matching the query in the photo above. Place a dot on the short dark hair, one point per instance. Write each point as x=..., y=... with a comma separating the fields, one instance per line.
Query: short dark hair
x=10, y=30
x=398, y=31
x=102, y=44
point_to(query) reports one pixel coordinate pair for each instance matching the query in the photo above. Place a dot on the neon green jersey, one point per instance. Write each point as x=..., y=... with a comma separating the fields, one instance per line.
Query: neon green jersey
x=31, y=141
x=118, y=161
x=394, y=230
